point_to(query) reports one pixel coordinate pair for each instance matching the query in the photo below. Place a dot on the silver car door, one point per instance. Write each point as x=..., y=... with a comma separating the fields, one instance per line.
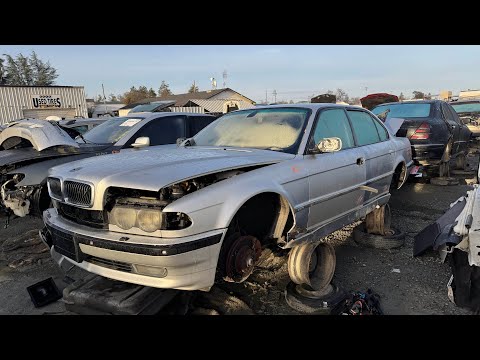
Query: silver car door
x=376, y=150
x=334, y=178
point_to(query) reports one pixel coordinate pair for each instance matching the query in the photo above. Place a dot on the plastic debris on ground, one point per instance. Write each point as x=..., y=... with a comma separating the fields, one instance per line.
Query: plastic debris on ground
x=360, y=303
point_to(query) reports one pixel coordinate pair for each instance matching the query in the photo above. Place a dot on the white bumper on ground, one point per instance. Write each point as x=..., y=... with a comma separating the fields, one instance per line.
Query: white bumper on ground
x=187, y=263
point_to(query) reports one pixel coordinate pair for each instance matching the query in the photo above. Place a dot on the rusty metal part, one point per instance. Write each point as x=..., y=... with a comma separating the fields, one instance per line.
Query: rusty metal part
x=312, y=264
x=444, y=168
x=242, y=257
x=378, y=221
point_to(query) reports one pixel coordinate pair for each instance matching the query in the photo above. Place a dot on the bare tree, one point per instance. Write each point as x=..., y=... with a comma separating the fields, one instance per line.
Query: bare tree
x=342, y=95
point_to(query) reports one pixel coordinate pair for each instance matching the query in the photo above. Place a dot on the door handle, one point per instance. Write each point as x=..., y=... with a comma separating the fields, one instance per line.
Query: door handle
x=360, y=161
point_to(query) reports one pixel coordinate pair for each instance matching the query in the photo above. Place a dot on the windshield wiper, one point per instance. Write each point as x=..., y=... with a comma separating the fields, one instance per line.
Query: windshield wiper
x=81, y=137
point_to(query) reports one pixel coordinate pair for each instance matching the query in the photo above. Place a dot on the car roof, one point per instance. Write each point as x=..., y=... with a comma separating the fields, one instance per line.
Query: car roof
x=156, y=115
x=411, y=102
x=464, y=102
x=312, y=106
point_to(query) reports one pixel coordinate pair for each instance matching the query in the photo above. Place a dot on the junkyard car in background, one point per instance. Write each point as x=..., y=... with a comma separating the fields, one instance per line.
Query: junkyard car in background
x=29, y=148
x=434, y=130
x=469, y=113
x=268, y=176
x=82, y=125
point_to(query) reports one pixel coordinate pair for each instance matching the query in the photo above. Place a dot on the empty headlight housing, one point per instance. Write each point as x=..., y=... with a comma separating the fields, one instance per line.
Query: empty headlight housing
x=55, y=188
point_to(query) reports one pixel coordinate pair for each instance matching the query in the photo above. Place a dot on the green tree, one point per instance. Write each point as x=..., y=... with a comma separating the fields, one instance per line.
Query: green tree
x=164, y=89
x=418, y=95
x=99, y=98
x=134, y=95
x=26, y=70
x=112, y=97
x=401, y=97
x=290, y=102
x=2, y=72
x=193, y=88
x=152, y=93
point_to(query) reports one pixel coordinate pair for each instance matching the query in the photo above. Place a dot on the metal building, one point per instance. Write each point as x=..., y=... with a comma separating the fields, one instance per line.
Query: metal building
x=17, y=102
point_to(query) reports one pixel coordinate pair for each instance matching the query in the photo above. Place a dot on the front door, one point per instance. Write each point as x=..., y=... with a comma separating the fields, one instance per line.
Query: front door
x=334, y=178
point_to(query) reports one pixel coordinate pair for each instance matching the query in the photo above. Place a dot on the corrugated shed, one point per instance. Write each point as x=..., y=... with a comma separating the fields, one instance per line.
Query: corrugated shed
x=190, y=109
x=220, y=106
x=15, y=99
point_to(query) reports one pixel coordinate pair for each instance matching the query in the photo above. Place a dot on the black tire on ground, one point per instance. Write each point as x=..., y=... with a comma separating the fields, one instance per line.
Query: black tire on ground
x=321, y=305
x=361, y=237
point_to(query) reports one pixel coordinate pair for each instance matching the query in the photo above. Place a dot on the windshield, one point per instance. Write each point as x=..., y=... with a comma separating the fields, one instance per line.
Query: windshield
x=404, y=110
x=464, y=108
x=110, y=131
x=274, y=129
x=145, y=107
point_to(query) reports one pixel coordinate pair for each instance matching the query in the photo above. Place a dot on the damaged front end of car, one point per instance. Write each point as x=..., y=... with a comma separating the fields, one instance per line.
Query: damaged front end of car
x=24, y=144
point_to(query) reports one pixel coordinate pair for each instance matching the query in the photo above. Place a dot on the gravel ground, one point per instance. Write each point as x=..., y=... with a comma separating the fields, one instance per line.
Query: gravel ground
x=418, y=288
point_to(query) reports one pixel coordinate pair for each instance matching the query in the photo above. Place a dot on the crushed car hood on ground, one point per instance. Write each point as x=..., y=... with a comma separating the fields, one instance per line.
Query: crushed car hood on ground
x=152, y=169
x=41, y=134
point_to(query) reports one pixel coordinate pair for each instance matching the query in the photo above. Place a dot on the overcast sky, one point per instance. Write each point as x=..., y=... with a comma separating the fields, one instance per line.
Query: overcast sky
x=295, y=71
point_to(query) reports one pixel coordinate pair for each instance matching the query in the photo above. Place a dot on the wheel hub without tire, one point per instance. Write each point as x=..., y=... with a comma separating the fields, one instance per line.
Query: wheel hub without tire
x=242, y=257
x=312, y=265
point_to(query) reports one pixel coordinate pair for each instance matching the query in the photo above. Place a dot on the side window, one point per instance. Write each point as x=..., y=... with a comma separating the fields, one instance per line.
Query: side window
x=453, y=113
x=334, y=123
x=197, y=123
x=161, y=131
x=364, y=127
x=81, y=129
x=382, y=132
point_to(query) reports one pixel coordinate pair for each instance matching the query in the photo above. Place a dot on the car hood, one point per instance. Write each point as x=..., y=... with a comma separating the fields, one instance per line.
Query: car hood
x=41, y=133
x=30, y=155
x=156, y=167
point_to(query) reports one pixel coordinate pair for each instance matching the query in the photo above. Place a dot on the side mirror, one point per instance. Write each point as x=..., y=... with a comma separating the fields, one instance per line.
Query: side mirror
x=330, y=144
x=141, y=142
x=180, y=140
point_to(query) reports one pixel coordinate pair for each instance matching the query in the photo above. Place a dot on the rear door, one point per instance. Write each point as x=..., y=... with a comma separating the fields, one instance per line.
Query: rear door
x=453, y=126
x=464, y=132
x=376, y=150
x=334, y=178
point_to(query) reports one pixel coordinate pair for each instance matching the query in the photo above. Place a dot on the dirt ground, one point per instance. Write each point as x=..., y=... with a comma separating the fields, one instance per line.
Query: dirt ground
x=418, y=285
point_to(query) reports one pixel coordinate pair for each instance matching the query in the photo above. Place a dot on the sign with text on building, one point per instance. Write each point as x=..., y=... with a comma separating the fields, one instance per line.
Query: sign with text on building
x=46, y=101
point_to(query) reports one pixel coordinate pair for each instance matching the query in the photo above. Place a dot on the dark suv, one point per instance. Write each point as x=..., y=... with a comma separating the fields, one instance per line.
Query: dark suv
x=434, y=129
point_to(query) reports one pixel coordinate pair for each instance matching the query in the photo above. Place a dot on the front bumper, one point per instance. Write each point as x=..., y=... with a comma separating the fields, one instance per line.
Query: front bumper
x=428, y=154
x=187, y=263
